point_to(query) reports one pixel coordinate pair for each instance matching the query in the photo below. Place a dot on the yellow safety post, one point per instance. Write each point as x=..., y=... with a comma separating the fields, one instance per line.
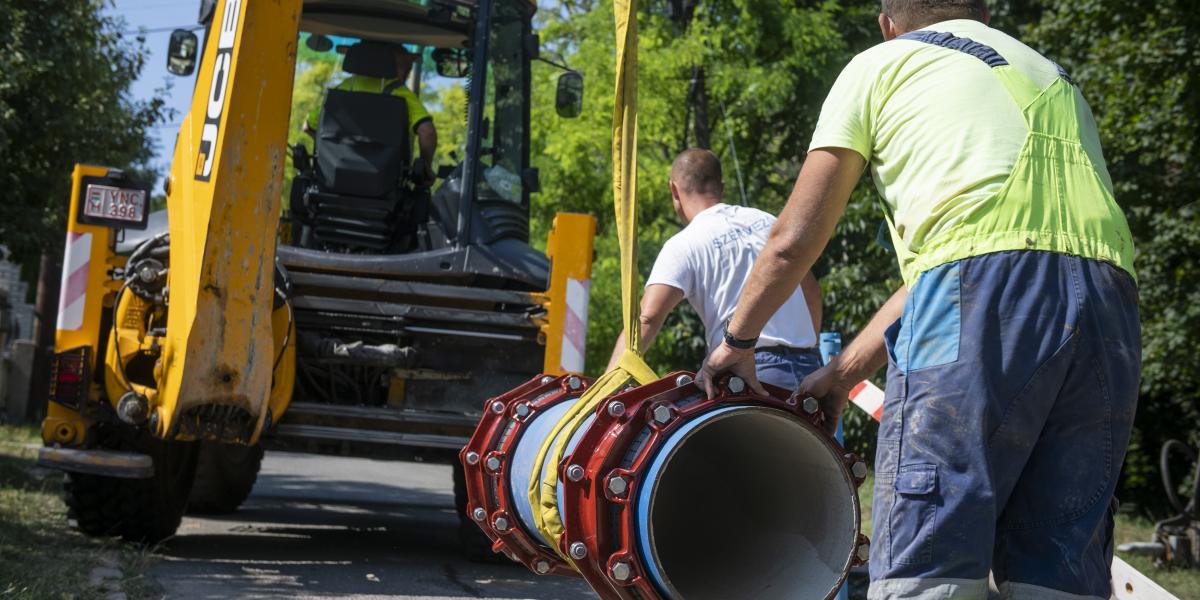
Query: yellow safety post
x=631, y=367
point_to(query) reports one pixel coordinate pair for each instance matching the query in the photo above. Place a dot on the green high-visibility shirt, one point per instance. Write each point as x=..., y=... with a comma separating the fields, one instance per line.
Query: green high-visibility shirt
x=417, y=113
x=976, y=150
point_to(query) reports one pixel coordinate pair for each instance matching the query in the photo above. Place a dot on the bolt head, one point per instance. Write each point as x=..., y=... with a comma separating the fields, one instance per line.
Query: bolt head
x=662, y=414
x=522, y=410
x=546, y=379
x=618, y=485
x=575, y=473
x=737, y=385
x=501, y=524
x=616, y=409
x=859, y=470
x=493, y=463
x=498, y=407
x=472, y=458
x=683, y=380
x=811, y=406
x=864, y=552
x=621, y=571
x=578, y=551
x=574, y=383
x=542, y=567
x=479, y=514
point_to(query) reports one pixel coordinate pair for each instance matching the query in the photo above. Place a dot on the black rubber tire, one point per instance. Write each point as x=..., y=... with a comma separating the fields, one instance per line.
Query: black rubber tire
x=225, y=474
x=145, y=511
x=474, y=544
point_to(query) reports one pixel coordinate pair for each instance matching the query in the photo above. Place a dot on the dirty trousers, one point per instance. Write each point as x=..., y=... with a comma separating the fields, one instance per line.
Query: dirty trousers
x=1011, y=391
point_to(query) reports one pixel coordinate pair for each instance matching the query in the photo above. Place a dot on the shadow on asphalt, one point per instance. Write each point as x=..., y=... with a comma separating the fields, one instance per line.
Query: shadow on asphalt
x=303, y=538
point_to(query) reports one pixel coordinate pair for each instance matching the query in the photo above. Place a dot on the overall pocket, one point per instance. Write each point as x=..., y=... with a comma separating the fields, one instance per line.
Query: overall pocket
x=914, y=514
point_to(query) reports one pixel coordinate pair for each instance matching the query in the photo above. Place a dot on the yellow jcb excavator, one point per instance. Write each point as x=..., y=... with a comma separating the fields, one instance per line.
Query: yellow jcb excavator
x=189, y=340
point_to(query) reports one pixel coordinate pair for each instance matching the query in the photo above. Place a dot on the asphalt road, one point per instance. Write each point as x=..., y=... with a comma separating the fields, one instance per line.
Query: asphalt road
x=324, y=527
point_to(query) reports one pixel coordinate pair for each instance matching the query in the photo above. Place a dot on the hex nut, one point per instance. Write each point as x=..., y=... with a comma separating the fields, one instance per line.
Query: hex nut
x=542, y=567
x=546, y=379
x=811, y=406
x=501, y=524
x=574, y=383
x=864, y=552
x=578, y=551
x=683, y=380
x=575, y=473
x=617, y=485
x=479, y=514
x=621, y=571
x=662, y=414
x=493, y=463
x=472, y=458
x=737, y=385
x=522, y=410
x=498, y=407
x=616, y=409
x=859, y=470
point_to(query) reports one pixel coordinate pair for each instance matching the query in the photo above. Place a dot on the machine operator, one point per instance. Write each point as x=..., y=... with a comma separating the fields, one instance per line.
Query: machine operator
x=419, y=120
x=1013, y=348
x=707, y=263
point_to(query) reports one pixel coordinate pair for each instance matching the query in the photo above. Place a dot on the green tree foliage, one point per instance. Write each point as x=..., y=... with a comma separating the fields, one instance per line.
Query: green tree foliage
x=65, y=73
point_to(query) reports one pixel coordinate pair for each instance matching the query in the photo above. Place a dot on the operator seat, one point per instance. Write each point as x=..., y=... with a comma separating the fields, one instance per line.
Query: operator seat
x=356, y=193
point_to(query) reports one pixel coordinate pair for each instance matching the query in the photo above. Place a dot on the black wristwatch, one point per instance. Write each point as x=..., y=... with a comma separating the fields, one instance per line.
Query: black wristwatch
x=738, y=343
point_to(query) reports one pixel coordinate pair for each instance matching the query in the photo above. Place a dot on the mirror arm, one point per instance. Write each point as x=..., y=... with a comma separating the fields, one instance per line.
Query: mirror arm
x=561, y=65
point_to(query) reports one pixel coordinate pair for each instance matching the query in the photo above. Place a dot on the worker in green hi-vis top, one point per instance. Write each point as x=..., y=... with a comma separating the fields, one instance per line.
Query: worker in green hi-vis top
x=1013, y=348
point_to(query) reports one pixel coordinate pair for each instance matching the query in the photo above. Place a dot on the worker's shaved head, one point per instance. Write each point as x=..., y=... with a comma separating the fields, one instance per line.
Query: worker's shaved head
x=911, y=15
x=697, y=172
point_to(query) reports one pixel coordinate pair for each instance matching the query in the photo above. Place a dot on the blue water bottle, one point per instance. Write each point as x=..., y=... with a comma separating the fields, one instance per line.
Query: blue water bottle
x=831, y=345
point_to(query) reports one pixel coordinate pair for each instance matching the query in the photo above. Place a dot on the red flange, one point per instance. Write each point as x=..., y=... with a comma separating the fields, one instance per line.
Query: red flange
x=599, y=515
x=487, y=460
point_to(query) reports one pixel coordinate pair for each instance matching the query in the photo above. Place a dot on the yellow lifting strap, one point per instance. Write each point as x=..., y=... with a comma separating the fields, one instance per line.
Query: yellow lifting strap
x=631, y=368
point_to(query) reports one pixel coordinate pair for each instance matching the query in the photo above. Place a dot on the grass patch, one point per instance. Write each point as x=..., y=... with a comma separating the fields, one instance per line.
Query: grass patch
x=41, y=555
x=1185, y=584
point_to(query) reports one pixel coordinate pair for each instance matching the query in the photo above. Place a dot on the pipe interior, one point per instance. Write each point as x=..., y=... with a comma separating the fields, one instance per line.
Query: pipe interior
x=748, y=503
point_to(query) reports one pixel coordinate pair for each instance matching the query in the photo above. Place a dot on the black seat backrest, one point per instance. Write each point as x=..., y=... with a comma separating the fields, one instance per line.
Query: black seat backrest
x=363, y=143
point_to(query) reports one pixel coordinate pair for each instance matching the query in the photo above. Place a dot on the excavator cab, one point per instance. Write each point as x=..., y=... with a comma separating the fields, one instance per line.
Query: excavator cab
x=372, y=318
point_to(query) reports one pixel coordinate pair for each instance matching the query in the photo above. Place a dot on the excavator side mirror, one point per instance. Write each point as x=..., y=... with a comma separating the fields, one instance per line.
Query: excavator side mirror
x=452, y=62
x=181, y=54
x=568, y=101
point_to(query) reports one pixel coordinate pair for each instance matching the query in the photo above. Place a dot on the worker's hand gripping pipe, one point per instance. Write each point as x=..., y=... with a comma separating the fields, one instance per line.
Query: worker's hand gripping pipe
x=667, y=494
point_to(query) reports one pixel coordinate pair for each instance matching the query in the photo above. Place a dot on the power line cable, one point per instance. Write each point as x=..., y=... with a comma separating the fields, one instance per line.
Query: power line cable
x=141, y=31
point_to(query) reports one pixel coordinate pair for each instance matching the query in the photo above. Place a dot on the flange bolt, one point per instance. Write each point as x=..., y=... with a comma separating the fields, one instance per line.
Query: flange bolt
x=545, y=380
x=493, y=463
x=737, y=385
x=542, y=567
x=811, y=406
x=616, y=409
x=479, y=514
x=522, y=410
x=662, y=414
x=683, y=380
x=617, y=485
x=575, y=473
x=472, y=458
x=501, y=524
x=859, y=470
x=574, y=383
x=578, y=551
x=621, y=571
x=864, y=552
x=498, y=407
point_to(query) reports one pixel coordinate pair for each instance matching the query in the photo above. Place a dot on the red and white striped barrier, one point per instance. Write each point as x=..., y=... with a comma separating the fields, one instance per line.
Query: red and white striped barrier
x=574, y=343
x=73, y=293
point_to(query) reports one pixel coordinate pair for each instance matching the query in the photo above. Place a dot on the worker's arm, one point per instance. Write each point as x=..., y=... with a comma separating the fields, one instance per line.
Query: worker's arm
x=799, y=236
x=427, y=140
x=864, y=356
x=812, y=297
x=657, y=303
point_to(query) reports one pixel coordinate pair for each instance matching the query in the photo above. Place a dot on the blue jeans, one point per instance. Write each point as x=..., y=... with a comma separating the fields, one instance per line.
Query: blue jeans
x=1012, y=386
x=786, y=370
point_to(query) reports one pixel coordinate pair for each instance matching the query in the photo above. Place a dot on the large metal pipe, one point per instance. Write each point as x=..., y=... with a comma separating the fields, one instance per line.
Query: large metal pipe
x=664, y=493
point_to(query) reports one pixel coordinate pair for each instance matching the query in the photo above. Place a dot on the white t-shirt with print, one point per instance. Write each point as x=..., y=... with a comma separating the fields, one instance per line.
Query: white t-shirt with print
x=710, y=261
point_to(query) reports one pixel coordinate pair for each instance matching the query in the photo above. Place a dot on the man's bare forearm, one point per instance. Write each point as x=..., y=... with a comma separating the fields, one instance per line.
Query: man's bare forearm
x=658, y=302
x=812, y=298
x=427, y=140
x=867, y=353
x=798, y=237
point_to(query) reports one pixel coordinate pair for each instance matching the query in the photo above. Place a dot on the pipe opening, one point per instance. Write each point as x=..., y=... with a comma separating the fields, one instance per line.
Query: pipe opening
x=747, y=503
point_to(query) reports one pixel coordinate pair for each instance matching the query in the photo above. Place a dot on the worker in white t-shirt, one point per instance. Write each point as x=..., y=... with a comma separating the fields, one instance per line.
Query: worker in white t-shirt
x=707, y=263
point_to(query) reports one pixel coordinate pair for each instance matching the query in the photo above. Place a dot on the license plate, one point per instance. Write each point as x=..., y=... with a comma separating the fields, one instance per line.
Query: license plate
x=115, y=204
